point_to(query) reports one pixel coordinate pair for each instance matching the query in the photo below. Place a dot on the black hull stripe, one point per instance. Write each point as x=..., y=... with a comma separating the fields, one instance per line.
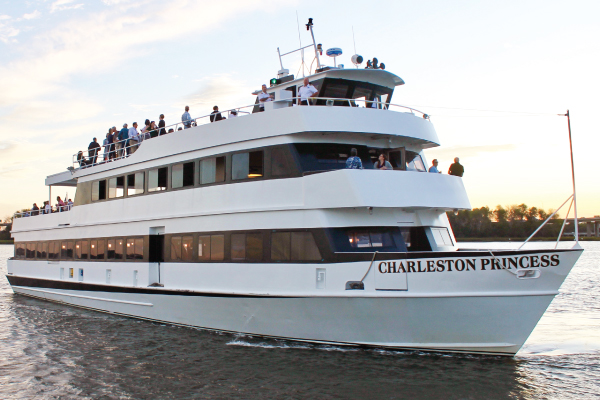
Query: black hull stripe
x=90, y=287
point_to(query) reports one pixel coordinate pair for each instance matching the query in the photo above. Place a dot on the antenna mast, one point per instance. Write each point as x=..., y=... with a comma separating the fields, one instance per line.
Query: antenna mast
x=573, y=177
x=309, y=28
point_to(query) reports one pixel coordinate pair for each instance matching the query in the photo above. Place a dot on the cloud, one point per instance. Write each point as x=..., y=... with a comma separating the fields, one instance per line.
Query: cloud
x=4, y=17
x=62, y=5
x=33, y=15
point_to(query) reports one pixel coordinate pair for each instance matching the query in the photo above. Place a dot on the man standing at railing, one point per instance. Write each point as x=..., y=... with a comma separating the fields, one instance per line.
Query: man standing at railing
x=263, y=97
x=134, y=139
x=93, y=150
x=306, y=92
x=186, y=118
x=122, y=140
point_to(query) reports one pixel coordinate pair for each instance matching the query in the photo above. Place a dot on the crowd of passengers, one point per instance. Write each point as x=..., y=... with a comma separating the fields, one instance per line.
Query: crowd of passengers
x=382, y=164
x=48, y=209
x=120, y=144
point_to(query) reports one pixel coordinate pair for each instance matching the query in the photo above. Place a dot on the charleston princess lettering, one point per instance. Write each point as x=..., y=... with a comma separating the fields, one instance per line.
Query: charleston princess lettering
x=468, y=264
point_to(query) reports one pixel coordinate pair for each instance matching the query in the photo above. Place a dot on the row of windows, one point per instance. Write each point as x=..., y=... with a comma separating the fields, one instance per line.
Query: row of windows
x=270, y=162
x=87, y=249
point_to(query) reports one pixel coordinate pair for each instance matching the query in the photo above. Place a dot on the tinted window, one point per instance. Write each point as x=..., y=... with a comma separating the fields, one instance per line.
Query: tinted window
x=368, y=239
x=157, y=179
x=99, y=190
x=182, y=175
x=217, y=247
x=247, y=165
x=97, y=249
x=246, y=246
x=175, y=248
x=294, y=246
x=116, y=187
x=53, y=250
x=82, y=249
x=212, y=170
x=282, y=163
x=119, y=244
x=135, y=183
x=135, y=248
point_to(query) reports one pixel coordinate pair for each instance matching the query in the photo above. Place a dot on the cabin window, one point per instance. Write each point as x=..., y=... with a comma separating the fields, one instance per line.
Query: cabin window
x=116, y=187
x=54, y=250
x=211, y=247
x=42, y=250
x=212, y=170
x=294, y=246
x=135, y=184
x=115, y=249
x=135, y=249
x=282, y=163
x=82, y=249
x=247, y=165
x=414, y=162
x=19, y=250
x=367, y=239
x=97, y=249
x=30, y=250
x=182, y=248
x=182, y=175
x=99, y=190
x=246, y=246
x=66, y=250
x=157, y=179
x=416, y=239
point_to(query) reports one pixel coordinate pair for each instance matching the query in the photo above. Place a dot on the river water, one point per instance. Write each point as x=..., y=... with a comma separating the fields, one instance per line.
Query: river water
x=50, y=351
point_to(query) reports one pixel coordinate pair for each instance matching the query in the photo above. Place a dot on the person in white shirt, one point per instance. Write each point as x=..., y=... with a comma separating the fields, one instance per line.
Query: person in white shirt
x=306, y=92
x=47, y=208
x=263, y=97
x=133, y=139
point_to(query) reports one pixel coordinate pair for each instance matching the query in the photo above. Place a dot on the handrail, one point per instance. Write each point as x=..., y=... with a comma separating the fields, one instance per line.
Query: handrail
x=131, y=145
x=42, y=211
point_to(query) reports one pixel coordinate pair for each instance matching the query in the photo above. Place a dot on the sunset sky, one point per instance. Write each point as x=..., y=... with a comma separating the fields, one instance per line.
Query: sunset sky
x=492, y=75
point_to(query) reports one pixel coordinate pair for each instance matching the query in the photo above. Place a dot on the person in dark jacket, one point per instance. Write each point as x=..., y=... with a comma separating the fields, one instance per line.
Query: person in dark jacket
x=215, y=115
x=456, y=169
x=161, y=125
x=93, y=150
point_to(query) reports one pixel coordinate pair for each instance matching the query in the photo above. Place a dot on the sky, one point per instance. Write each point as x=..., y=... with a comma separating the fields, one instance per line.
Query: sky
x=493, y=76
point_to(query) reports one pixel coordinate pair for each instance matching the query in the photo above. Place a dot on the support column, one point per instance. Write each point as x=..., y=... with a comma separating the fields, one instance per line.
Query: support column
x=50, y=195
x=588, y=229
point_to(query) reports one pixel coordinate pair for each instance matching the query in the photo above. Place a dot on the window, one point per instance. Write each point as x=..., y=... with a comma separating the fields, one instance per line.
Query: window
x=115, y=249
x=19, y=250
x=66, y=250
x=211, y=247
x=97, y=249
x=30, y=250
x=99, y=190
x=175, y=248
x=182, y=175
x=247, y=165
x=157, y=179
x=212, y=170
x=246, y=247
x=395, y=158
x=116, y=187
x=281, y=162
x=53, y=250
x=135, y=249
x=42, y=250
x=182, y=248
x=82, y=249
x=294, y=246
x=135, y=183
x=441, y=236
x=361, y=239
x=414, y=162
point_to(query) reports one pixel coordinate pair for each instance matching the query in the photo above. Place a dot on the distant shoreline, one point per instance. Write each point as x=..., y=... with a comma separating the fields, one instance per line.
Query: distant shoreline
x=9, y=241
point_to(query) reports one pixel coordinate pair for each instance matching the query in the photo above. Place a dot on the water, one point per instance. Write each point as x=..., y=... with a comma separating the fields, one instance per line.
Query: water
x=50, y=351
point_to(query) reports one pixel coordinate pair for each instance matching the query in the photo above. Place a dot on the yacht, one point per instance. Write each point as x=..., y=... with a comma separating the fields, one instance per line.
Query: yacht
x=253, y=224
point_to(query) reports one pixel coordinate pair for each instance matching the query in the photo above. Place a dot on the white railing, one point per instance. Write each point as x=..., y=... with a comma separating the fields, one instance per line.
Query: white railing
x=42, y=211
x=130, y=145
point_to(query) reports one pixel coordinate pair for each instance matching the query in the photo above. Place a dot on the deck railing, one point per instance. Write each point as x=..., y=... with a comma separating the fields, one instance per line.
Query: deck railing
x=124, y=148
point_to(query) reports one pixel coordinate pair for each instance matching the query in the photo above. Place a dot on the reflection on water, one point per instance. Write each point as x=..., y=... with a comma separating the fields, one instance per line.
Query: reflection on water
x=50, y=350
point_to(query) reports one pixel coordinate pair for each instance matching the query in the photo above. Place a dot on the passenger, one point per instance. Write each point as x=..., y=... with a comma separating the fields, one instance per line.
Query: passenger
x=354, y=162
x=106, y=144
x=47, y=208
x=112, y=154
x=35, y=210
x=194, y=123
x=93, y=150
x=382, y=163
x=232, y=114
x=81, y=159
x=122, y=142
x=306, y=92
x=69, y=204
x=215, y=115
x=171, y=130
x=145, y=131
x=153, y=129
x=161, y=125
x=434, y=165
x=60, y=205
x=456, y=169
x=186, y=118
x=134, y=139
x=263, y=97
x=180, y=129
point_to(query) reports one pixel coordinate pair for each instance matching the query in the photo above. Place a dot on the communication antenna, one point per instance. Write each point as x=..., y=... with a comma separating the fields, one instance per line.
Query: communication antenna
x=354, y=40
x=300, y=40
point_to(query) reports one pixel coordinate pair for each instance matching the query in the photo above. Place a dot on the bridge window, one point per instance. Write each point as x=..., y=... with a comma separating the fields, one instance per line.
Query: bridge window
x=247, y=165
x=182, y=175
x=414, y=162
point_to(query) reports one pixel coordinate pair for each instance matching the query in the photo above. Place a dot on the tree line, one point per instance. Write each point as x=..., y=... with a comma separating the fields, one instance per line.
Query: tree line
x=515, y=221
